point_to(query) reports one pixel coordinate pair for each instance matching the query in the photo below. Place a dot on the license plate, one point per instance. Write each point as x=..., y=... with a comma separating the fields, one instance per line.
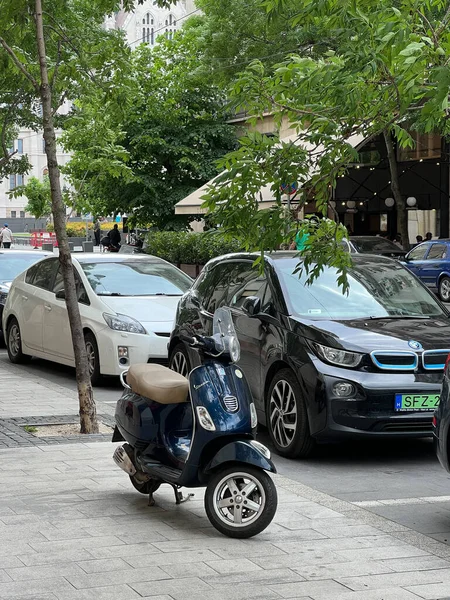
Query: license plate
x=415, y=402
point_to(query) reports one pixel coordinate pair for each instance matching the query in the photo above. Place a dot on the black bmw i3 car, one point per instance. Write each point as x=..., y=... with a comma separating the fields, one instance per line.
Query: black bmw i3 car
x=323, y=365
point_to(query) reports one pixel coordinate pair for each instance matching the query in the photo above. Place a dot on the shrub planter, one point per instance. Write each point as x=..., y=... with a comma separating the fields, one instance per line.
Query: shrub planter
x=193, y=270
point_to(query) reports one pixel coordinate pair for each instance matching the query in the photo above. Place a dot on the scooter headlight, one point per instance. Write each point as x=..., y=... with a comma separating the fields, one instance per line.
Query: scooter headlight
x=253, y=415
x=234, y=349
x=205, y=419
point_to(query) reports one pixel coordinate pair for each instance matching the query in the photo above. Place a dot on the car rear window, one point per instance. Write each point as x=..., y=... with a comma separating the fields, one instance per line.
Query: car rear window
x=12, y=265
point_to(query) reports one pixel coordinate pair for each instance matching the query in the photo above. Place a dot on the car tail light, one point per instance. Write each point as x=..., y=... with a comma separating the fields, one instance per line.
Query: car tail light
x=447, y=363
x=434, y=421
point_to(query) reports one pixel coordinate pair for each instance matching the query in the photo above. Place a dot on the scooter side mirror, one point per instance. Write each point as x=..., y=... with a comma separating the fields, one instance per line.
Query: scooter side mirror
x=252, y=306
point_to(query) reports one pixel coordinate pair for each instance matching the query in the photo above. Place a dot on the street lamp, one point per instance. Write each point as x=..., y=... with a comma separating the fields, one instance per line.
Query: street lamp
x=411, y=201
x=389, y=202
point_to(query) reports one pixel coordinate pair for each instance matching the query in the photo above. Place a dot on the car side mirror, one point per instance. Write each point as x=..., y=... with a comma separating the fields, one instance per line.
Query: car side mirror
x=60, y=294
x=252, y=306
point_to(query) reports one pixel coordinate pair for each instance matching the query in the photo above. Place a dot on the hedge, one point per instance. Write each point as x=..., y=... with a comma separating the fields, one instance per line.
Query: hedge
x=189, y=248
x=78, y=228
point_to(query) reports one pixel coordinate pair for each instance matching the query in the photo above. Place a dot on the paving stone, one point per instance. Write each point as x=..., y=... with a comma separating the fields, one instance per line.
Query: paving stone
x=343, y=569
x=308, y=588
x=226, y=567
x=127, y=576
x=103, y=565
x=396, y=579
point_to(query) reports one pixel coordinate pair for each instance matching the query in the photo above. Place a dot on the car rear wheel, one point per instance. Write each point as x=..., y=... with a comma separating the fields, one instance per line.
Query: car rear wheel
x=93, y=358
x=14, y=343
x=287, y=418
x=444, y=289
x=179, y=360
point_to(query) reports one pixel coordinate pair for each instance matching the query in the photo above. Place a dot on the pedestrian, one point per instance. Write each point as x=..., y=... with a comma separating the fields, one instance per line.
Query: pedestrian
x=97, y=230
x=419, y=239
x=398, y=240
x=115, y=237
x=25, y=229
x=6, y=236
x=428, y=236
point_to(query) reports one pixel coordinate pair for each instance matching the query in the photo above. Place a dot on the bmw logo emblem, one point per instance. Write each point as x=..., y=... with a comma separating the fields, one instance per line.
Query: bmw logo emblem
x=415, y=345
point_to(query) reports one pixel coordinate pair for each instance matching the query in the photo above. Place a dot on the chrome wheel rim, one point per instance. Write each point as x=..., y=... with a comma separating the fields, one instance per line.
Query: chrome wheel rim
x=90, y=351
x=239, y=499
x=14, y=339
x=179, y=364
x=445, y=289
x=283, y=413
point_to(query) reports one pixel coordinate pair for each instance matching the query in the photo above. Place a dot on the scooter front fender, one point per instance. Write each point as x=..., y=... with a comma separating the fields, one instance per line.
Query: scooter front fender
x=240, y=452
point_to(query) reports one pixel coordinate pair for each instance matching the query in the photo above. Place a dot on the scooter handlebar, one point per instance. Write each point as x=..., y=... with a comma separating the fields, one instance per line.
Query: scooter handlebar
x=207, y=344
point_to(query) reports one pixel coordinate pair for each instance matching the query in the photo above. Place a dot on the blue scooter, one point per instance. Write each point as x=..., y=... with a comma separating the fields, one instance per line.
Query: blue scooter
x=207, y=441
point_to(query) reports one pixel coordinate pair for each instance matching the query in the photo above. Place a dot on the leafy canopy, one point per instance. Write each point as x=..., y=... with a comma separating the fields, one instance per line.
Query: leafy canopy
x=387, y=68
x=161, y=146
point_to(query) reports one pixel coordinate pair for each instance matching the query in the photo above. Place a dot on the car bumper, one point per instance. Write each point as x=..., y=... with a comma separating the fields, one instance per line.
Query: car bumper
x=140, y=349
x=370, y=412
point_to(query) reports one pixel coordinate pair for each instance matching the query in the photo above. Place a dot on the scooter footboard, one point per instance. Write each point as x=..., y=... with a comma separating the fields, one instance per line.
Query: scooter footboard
x=248, y=452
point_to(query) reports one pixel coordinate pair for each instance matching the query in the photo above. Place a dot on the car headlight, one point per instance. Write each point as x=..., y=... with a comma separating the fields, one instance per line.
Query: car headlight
x=123, y=323
x=337, y=357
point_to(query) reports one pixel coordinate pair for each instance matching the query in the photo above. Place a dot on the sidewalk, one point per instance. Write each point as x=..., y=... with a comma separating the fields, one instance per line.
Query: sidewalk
x=73, y=528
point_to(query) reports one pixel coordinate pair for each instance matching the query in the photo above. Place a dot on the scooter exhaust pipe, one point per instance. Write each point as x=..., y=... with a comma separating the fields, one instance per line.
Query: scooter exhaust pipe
x=123, y=461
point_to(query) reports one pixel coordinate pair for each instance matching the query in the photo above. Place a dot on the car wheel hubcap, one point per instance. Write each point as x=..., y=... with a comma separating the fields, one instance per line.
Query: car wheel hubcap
x=90, y=351
x=179, y=364
x=445, y=289
x=239, y=499
x=283, y=413
x=14, y=340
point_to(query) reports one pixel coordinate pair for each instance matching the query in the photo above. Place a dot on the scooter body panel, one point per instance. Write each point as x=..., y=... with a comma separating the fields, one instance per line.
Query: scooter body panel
x=240, y=451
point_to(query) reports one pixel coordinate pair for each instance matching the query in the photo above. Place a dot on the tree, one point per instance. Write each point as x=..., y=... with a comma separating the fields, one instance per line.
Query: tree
x=158, y=150
x=39, y=197
x=387, y=72
x=50, y=54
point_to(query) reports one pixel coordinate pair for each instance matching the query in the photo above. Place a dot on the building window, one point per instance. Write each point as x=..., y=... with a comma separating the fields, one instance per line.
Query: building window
x=20, y=146
x=19, y=180
x=12, y=182
x=22, y=214
x=13, y=214
x=148, y=32
x=43, y=145
x=426, y=146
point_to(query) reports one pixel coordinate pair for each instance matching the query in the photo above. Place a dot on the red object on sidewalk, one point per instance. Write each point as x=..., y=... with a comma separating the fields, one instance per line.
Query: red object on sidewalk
x=43, y=237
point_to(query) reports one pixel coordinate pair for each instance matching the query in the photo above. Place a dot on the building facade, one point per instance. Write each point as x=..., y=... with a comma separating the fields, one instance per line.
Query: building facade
x=31, y=143
x=149, y=21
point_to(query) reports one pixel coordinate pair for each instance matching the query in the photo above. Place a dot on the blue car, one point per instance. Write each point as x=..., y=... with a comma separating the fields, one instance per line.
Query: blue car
x=430, y=261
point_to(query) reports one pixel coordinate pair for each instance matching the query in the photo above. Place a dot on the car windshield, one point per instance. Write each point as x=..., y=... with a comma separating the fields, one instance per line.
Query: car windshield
x=135, y=278
x=374, y=245
x=12, y=265
x=378, y=290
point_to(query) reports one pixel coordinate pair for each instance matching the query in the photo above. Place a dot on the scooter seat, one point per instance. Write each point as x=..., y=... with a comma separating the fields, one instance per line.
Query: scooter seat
x=158, y=383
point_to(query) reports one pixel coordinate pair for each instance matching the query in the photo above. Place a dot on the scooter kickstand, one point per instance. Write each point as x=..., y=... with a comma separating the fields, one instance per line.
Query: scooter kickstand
x=179, y=498
x=151, y=500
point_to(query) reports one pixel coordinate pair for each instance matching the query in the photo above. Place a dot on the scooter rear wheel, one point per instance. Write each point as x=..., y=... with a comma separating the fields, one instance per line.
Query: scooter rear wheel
x=144, y=487
x=241, y=501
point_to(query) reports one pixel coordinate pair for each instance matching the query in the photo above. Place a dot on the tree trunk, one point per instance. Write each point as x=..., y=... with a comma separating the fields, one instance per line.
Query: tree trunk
x=88, y=413
x=402, y=213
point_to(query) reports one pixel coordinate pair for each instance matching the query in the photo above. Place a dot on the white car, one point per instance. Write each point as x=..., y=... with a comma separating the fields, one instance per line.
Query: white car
x=127, y=304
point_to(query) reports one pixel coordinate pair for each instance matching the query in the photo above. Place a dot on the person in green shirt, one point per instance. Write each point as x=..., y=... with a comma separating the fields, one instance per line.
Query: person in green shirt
x=300, y=242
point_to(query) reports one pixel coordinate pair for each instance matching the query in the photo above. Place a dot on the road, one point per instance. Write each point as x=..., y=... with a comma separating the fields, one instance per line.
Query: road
x=400, y=480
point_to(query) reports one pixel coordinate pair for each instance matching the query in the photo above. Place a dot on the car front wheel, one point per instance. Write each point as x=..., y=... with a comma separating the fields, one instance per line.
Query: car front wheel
x=444, y=289
x=287, y=418
x=179, y=360
x=93, y=358
x=14, y=343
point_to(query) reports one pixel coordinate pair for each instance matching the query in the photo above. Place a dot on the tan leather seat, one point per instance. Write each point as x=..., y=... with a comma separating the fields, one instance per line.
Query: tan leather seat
x=158, y=383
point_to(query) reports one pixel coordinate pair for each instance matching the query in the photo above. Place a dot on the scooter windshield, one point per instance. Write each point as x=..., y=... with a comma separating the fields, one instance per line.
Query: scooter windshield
x=224, y=334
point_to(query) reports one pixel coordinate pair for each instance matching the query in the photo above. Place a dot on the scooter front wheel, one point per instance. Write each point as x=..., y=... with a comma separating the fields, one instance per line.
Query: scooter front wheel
x=241, y=501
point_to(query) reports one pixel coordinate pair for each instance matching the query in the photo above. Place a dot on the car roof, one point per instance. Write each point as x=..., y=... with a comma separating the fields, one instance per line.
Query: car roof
x=15, y=252
x=89, y=257
x=273, y=257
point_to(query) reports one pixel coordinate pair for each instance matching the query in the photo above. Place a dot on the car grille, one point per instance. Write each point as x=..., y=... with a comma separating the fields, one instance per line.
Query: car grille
x=434, y=360
x=410, y=426
x=162, y=334
x=231, y=403
x=395, y=361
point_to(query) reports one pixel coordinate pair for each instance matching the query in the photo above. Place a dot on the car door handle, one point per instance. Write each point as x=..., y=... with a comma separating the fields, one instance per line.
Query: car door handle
x=47, y=307
x=25, y=298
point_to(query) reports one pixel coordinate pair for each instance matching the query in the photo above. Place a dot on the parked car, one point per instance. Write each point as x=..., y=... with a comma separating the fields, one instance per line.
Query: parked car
x=430, y=261
x=371, y=244
x=127, y=305
x=13, y=262
x=323, y=365
x=441, y=421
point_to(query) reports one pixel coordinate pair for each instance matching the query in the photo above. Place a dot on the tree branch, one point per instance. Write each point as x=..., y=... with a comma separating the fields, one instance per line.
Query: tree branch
x=443, y=24
x=19, y=65
x=427, y=22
